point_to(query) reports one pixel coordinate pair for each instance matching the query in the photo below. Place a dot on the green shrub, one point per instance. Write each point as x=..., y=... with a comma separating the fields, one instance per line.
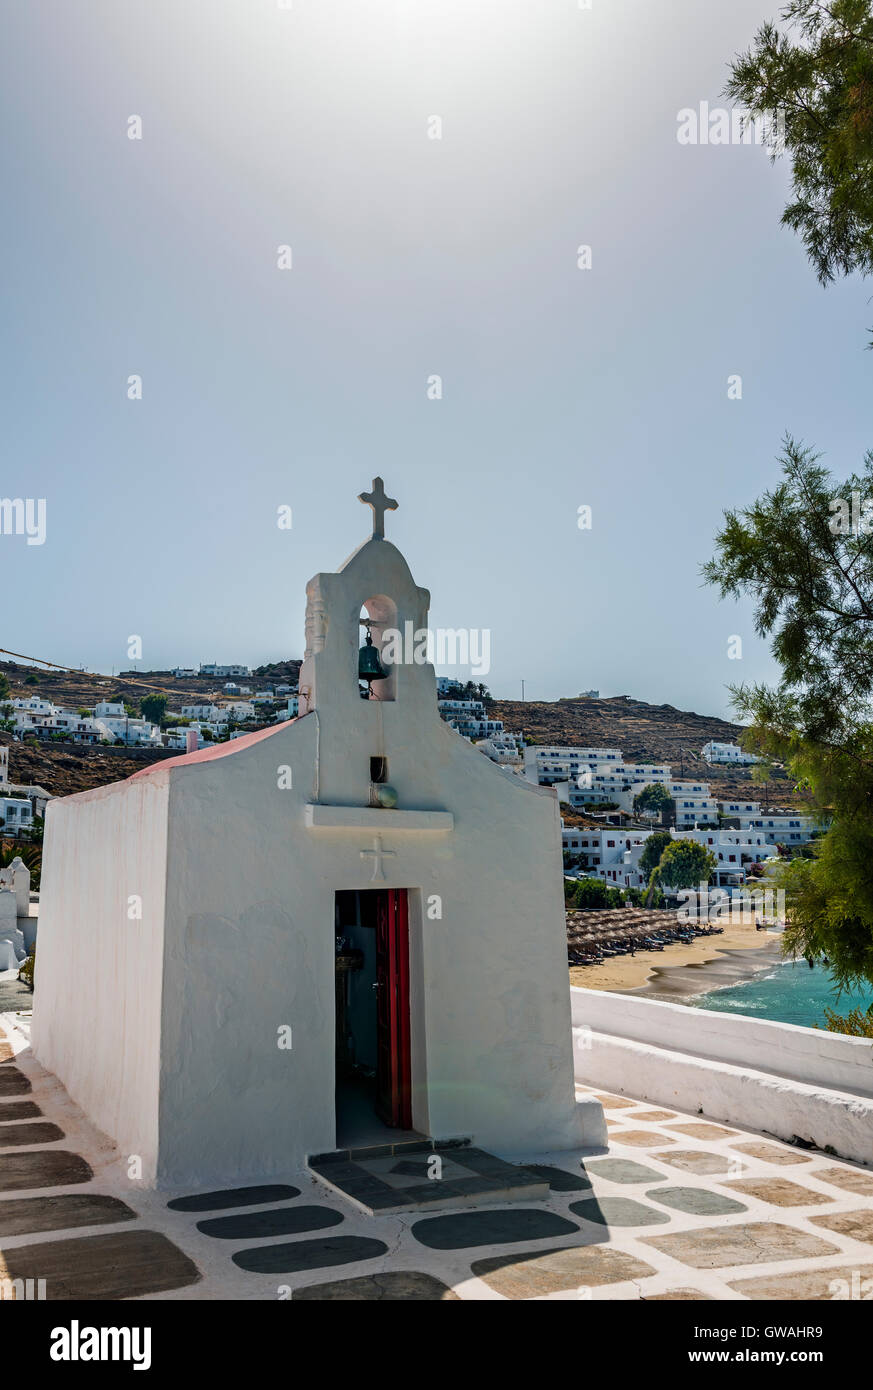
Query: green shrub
x=25, y=973
x=858, y=1023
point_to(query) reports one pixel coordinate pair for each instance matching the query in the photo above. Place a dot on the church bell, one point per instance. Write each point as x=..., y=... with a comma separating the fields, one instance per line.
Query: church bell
x=370, y=667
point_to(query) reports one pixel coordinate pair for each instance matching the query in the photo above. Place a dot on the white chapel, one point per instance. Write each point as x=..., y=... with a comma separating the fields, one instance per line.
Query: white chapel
x=347, y=925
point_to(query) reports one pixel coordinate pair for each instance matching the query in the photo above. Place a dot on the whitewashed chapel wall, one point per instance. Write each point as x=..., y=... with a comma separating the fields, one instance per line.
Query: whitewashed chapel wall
x=97, y=998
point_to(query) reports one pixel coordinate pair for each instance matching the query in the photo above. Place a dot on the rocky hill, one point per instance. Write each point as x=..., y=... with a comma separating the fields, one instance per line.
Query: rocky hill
x=643, y=733
x=64, y=768
x=76, y=689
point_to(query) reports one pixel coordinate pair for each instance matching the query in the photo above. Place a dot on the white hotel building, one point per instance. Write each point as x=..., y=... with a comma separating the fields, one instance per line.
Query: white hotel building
x=694, y=805
x=16, y=813
x=599, y=776
x=108, y=723
x=780, y=829
x=715, y=752
x=734, y=851
x=550, y=765
x=739, y=808
x=469, y=719
x=608, y=853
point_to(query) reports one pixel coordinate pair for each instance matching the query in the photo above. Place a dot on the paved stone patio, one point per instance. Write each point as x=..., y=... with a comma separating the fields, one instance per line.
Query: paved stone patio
x=685, y=1209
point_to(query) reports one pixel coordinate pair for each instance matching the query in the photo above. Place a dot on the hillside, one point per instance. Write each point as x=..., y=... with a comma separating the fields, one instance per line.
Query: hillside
x=74, y=689
x=65, y=768
x=643, y=733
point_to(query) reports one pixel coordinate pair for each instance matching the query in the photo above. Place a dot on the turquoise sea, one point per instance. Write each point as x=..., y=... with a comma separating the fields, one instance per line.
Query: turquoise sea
x=789, y=993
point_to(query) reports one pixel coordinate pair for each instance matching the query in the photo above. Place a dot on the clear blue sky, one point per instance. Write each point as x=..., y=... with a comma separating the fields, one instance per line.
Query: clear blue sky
x=308, y=126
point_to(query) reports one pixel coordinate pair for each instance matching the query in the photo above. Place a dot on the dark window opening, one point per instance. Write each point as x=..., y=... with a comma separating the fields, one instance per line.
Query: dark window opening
x=378, y=769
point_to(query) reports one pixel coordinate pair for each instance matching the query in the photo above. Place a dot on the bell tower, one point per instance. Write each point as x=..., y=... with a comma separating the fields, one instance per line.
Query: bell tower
x=373, y=595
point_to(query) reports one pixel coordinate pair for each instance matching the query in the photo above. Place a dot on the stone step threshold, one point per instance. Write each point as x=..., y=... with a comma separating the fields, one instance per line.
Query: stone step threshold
x=425, y=1174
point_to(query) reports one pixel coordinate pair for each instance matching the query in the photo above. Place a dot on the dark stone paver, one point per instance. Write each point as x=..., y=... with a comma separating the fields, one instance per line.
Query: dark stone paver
x=21, y=1216
x=406, y=1285
x=300, y=1255
x=618, y=1211
x=537, y=1272
x=623, y=1170
x=559, y=1179
x=14, y=1136
x=234, y=1197
x=123, y=1264
x=696, y=1201
x=13, y=1082
x=276, y=1221
x=410, y=1169
x=18, y=1110
x=42, y=1168
x=460, y=1230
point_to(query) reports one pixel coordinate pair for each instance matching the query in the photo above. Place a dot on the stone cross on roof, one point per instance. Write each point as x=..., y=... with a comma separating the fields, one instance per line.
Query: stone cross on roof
x=380, y=504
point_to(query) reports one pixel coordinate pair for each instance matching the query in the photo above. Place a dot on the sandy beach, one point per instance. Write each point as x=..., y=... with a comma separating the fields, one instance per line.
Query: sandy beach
x=682, y=970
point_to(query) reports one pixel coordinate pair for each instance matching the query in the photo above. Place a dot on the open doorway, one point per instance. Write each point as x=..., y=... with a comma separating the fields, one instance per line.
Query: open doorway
x=373, y=1054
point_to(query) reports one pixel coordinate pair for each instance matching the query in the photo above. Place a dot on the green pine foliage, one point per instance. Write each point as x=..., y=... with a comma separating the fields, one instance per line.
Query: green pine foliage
x=817, y=69
x=804, y=553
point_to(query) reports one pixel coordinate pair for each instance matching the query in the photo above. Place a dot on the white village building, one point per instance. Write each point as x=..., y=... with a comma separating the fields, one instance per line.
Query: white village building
x=251, y=954
x=213, y=670
x=591, y=777
x=16, y=813
x=734, y=851
x=114, y=723
x=207, y=712
x=780, y=828
x=548, y=765
x=503, y=748
x=715, y=752
x=608, y=853
x=739, y=808
x=446, y=685
x=108, y=723
x=694, y=805
x=36, y=795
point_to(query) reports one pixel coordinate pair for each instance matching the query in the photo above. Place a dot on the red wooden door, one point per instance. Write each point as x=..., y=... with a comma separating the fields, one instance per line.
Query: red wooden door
x=393, y=1069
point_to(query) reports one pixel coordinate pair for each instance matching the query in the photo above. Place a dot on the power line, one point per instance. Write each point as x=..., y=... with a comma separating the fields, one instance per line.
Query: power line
x=93, y=675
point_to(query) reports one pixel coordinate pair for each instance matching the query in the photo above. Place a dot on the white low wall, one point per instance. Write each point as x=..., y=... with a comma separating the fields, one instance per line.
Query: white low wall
x=775, y=1078
x=27, y=927
x=809, y=1055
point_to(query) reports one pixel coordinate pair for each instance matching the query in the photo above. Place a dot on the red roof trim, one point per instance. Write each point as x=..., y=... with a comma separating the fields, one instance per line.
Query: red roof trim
x=214, y=751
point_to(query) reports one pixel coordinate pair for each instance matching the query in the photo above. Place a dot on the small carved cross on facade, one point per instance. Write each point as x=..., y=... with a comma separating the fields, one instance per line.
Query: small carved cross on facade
x=380, y=504
x=378, y=854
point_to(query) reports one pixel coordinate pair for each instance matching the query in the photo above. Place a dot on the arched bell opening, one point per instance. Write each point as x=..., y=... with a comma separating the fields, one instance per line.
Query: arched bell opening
x=377, y=678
